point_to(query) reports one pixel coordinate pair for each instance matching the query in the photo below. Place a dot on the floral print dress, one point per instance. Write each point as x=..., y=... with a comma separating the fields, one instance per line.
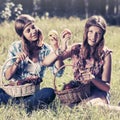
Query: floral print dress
x=89, y=65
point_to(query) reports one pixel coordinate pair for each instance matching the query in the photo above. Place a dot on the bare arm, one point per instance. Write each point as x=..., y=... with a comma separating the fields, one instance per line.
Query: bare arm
x=106, y=76
x=59, y=52
x=12, y=69
x=52, y=57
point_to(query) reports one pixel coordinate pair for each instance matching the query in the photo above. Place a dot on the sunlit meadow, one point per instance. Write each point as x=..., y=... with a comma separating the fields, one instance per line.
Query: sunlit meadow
x=57, y=111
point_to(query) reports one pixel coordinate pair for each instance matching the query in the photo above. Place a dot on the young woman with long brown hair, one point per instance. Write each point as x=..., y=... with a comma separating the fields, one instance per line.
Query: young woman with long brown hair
x=30, y=46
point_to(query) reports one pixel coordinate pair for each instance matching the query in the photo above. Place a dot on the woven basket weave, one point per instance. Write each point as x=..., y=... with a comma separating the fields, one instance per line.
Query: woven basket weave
x=73, y=95
x=18, y=90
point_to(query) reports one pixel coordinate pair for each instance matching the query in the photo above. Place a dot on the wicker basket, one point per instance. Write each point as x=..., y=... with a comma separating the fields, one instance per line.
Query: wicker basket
x=73, y=95
x=18, y=90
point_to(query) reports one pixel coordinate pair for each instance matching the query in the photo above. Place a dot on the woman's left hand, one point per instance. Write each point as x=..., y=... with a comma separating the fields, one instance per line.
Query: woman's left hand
x=65, y=37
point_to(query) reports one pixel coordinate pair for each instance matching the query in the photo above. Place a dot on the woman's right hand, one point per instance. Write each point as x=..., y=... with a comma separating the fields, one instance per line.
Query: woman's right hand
x=20, y=57
x=87, y=77
x=53, y=37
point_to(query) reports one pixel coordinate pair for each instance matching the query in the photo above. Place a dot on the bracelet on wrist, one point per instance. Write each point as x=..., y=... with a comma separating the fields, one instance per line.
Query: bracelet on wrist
x=58, y=52
x=16, y=63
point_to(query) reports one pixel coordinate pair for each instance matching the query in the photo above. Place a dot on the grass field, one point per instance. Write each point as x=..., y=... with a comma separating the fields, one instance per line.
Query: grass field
x=56, y=111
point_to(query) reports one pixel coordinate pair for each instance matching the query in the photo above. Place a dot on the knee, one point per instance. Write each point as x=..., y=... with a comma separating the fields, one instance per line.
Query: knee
x=97, y=101
x=46, y=94
x=49, y=91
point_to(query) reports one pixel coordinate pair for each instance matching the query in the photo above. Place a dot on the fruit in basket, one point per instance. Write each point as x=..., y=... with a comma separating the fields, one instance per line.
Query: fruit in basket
x=71, y=84
x=21, y=82
x=33, y=80
x=66, y=86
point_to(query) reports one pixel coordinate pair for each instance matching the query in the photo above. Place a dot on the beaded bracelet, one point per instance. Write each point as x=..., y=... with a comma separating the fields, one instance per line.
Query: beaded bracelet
x=15, y=63
x=58, y=52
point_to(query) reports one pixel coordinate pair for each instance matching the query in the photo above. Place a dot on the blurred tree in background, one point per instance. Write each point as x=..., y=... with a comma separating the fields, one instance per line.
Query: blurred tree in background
x=110, y=9
x=9, y=10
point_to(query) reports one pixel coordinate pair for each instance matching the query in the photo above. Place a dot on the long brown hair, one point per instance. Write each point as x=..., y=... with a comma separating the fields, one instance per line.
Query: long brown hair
x=98, y=21
x=21, y=23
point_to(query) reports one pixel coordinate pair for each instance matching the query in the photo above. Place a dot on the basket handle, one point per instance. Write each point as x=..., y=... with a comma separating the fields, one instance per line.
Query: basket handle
x=1, y=72
x=55, y=75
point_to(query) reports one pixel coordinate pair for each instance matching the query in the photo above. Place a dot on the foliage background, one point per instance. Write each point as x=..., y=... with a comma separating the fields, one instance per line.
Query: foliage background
x=110, y=9
x=60, y=14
